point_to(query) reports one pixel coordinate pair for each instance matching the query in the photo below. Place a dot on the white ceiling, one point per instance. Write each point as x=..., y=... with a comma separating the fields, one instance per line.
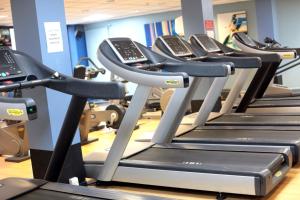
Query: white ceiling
x=88, y=11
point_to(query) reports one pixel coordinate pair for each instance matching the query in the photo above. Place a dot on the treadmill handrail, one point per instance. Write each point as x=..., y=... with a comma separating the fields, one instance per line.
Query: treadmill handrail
x=284, y=54
x=63, y=83
x=200, y=69
x=74, y=86
x=239, y=62
x=272, y=57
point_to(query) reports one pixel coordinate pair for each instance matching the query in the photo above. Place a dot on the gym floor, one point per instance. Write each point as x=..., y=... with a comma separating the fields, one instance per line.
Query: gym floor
x=288, y=189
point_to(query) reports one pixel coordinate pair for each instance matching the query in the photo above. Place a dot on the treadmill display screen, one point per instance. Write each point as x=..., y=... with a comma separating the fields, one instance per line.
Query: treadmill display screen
x=176, y=46
x=8, y=66
x=5, y=58
x=207, y=43
x=246, y=39
x=126, y=50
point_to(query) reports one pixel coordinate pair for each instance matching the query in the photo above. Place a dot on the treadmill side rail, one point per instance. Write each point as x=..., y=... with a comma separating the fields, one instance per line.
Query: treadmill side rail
x=96, y=192
x=14, y=187
x=246, y=185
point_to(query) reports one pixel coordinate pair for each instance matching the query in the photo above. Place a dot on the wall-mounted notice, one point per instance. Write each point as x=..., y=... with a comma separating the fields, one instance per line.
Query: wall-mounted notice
x=53, y=37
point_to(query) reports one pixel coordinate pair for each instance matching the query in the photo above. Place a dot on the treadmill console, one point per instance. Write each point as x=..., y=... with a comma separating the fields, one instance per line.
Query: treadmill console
x=176, y=46
x=9, y=70
x=126, y=50
x=207, y=43
x=246, y=39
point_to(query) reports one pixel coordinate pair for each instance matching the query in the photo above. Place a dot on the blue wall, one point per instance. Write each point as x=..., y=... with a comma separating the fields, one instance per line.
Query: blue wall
x=265, y=22
x=287, y=31
x=77, y=44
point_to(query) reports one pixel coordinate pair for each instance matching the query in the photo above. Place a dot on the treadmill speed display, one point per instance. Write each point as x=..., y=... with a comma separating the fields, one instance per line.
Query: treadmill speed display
x=207, y=43
x=5, y=58
x=126, y=50
x=246, y=39
x=176, y=46
x=8, y=66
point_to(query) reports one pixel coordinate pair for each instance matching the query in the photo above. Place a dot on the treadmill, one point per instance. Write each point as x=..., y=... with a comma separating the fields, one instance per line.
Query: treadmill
x=197, y=133
x=36, y=189
x=269, y=104
x=219, y=168
x=19, y=71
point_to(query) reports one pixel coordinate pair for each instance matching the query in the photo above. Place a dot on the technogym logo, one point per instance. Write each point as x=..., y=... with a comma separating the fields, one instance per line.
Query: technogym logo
x=172, y=82
x=191, y=163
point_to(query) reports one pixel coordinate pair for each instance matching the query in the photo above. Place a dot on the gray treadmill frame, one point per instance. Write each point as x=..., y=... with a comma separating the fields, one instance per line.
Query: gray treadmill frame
x=145, y=83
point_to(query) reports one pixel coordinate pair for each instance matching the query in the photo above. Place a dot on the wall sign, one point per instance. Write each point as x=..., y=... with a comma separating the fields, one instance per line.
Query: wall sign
x=209, y=25
x=53, y=37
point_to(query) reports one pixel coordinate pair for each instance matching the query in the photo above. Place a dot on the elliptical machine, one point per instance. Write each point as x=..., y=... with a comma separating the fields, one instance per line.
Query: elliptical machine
x=13, y=137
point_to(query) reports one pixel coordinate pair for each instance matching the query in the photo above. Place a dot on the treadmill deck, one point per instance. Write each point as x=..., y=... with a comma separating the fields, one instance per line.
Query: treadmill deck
x=241, y=163
x=256, y=120
x=275, y=103
x=244, y=137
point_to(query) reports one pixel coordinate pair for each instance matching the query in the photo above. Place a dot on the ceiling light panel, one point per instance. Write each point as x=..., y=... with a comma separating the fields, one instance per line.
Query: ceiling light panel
x=88, y=11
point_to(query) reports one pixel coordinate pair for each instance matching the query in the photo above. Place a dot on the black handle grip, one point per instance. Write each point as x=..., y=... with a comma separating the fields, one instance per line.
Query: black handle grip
x=272, y=57
x=201, y=69
x=239, y=62
x=23, y=85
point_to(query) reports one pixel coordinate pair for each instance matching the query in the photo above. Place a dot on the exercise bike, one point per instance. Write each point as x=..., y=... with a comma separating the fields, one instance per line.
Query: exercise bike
x=14, y=143
x=93, y=115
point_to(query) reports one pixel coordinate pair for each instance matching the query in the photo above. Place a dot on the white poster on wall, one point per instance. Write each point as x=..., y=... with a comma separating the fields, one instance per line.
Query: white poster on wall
x=13, y=39
x=54, y=37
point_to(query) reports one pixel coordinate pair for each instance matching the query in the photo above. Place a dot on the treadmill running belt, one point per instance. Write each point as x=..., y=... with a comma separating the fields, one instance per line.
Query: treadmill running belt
x=52, y=195
x=232, y=162
x=244, y=137
x=271, y=103
x=259, y=120
x=279, y=98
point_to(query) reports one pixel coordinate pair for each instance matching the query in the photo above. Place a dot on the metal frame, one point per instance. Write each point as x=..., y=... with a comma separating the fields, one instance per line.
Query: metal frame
x=124, y=133
x=210, y=100
x=235, y=91
x=188, y=180
x=174, y=112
